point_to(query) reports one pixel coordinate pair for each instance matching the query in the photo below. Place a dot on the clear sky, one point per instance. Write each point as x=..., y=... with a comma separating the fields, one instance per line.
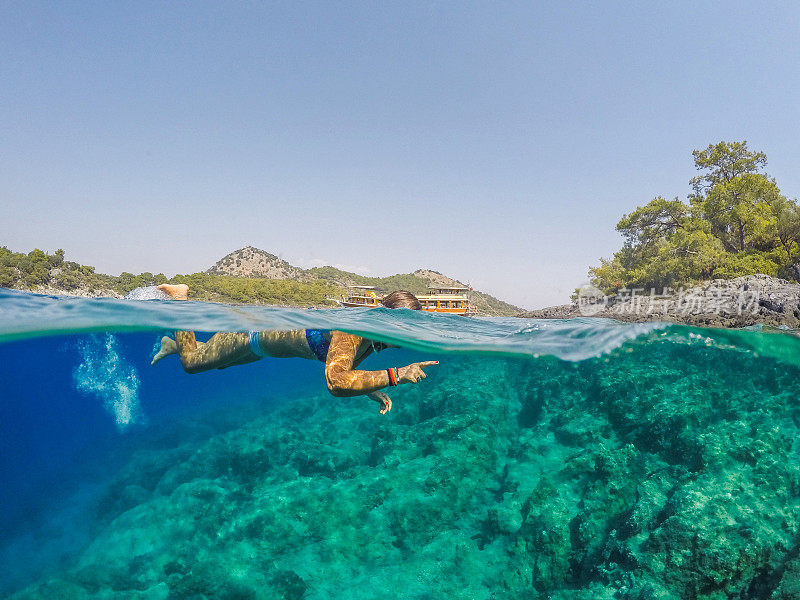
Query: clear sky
x=495, y=142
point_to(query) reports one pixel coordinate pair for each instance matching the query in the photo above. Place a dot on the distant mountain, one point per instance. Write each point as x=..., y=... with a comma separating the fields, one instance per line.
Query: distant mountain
x=253, y=262
x=256, y=263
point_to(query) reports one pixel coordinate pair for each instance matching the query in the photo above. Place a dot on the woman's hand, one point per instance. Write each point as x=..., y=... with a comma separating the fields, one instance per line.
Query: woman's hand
x=382, y=399
x=413, y=372
x=410, y=374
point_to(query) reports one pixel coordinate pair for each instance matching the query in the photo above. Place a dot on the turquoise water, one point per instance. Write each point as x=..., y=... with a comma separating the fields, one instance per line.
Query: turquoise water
x=540, y=459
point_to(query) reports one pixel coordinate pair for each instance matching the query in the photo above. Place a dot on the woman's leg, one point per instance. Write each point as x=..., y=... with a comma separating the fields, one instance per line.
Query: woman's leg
x=221, y=351
x=228, y=349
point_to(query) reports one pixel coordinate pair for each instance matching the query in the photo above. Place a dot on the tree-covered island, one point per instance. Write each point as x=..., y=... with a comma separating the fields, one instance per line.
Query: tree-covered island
x=735, y=222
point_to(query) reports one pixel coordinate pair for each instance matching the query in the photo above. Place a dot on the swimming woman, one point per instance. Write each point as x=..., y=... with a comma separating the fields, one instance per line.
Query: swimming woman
x=341, y=352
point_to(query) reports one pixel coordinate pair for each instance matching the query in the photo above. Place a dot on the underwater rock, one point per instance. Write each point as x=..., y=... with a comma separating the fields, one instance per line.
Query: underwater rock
x=671, y=472
x=289, y=585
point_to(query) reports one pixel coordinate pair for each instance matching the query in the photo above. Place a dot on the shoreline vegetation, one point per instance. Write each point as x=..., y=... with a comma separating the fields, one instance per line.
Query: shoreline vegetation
x=246, y=276
x=727, y=257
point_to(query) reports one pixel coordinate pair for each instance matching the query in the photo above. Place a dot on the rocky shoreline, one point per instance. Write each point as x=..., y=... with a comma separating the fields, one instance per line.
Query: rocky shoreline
x=81, y=292
x=740, y=302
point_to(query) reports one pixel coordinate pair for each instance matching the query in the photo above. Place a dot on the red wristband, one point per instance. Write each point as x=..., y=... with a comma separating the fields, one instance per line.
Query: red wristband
x=392, y=375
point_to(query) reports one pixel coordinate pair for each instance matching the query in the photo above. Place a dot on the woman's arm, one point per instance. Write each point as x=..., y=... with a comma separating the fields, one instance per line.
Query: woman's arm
x=344, y=380
x=340, y=376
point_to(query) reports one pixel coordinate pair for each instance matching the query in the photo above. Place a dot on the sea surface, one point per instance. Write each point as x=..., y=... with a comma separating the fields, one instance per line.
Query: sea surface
x=541, y=459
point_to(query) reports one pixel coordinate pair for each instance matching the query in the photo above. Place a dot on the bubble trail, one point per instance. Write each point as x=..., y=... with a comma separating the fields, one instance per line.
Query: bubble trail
x=104, y=373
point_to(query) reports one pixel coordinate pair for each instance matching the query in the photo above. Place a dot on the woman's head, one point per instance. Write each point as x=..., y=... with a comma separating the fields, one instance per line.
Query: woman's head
x=401, y=300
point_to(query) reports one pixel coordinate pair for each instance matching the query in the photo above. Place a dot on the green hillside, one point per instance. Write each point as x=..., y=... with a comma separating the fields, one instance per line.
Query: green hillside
x=37, y=268
x=40, y=271
x=409, y=282
x=486, y=304
x=245, y=290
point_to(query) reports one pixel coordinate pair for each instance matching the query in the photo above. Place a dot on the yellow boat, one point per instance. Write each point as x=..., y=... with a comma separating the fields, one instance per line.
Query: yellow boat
x=362, y=295
x=452, y=300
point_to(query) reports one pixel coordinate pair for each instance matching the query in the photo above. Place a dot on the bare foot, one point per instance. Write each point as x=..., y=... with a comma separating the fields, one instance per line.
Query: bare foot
x=178, y=291
x=168, y=346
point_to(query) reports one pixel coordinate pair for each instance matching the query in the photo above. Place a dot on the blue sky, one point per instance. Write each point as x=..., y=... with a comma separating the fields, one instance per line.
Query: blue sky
x=496, y=142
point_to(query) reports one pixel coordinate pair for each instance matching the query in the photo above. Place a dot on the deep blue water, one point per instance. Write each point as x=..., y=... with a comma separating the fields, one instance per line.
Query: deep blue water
x=543, y=422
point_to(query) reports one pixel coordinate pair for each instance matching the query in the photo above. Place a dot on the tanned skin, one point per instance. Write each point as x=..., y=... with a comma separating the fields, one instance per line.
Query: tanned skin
x=345, y=353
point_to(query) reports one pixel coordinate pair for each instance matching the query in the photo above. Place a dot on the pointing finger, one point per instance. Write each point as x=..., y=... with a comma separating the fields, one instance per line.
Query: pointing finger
x=428, y=363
